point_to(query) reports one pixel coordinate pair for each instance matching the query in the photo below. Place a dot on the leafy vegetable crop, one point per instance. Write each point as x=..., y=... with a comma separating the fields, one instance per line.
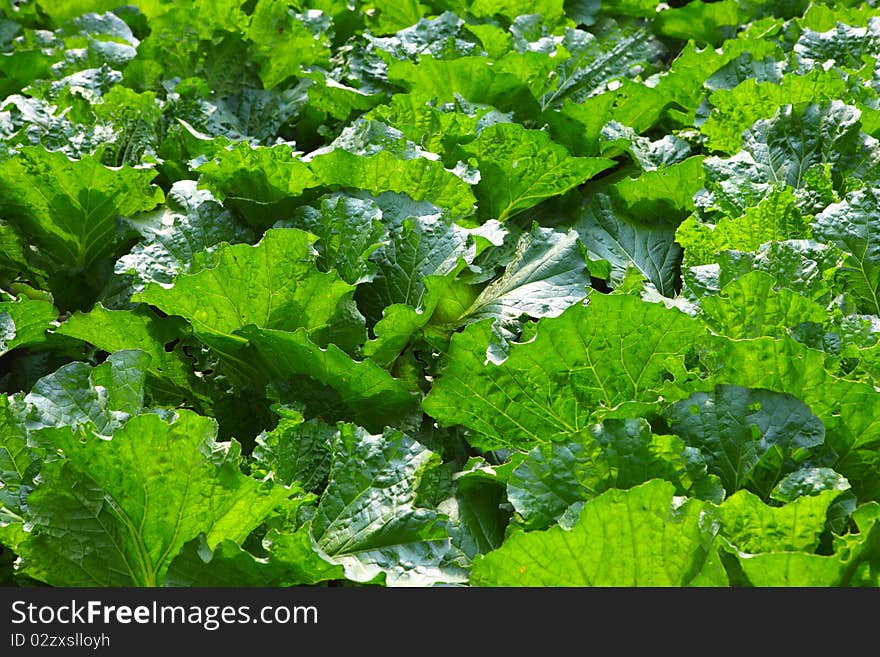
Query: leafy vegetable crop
x=439, y=292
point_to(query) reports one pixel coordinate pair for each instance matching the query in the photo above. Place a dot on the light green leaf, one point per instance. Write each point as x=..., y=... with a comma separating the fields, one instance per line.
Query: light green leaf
x=273, y=285
x=349, y=230
x=589, y=359
x=295, y=451
x=613, y=454
x=363, y=390
x=751, y=306
x=285, y=42
x=292, y=561
x=140, y=328
x=67, y=209
x=367, y=520
x=656, y=541
x=24, y=322
x=520, y=168
x=754, y=527
x=108, y=516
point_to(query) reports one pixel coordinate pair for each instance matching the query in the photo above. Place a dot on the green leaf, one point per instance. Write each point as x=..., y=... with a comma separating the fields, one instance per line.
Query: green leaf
x=24, y=322
x=273, y=285
x=67, y=209
x=292, y=562
x=613, y=454
x=852, y=225
x=19, y=464
x=545, y=275
x=655, y=542
x=259, y=183
x=668, y=189
x=754, y=527
x=701, y=21
x=422, y=242
x=610, y=52
x=107, y=516
x=421, y=178
x=296, y=451
x=520, y=168
x=749, y=438
x=750, y=307
x=856, y=561
x=845, y=44
x=611, y=232
x=589, y=359
x=774, y=218
x=550, y=10
x=367, y=520
x=363, y=390
x=103, y=397
x=790, y=148
x=285, y=42
x=349, y=230
x=173, y=237
x=140, y=328
x=735, y=110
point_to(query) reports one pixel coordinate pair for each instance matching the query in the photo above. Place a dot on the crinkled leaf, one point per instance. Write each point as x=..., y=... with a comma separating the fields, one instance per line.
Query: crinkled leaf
x=191, y=222
x=754, y=527
x=654, y=542
x=68, y=210
x=750, y=307
x=104, y=397
x=108, y=516
x=589, y=359
x=520, y=168
x=273, y=285
x=749, y=438
x=363, y=391
x=611, y=232
x=854, y=226
x=367, y=520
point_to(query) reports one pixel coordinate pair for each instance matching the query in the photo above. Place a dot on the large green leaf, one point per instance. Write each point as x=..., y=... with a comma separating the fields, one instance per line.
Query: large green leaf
x=639, y=537
x=754, y=527
x=520, y=168
x=363, y=391
x=273, y=285
x=286, y=42
x=173, y=237
x=613, y=233
x=555, y=478
x=856, y=561
x=545, y=275
x=140, y=328
x=367, y=519
x=791, y=148
x=750, y=307
x=749, y=438
x=103, y=397
x=292, y=561
x=116, y=512
x=67, y=209
x=853, y=226
x=590, y=359
x=24, y=322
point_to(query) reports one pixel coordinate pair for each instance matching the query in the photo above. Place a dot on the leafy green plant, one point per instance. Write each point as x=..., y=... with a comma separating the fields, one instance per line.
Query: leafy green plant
x=440, y=293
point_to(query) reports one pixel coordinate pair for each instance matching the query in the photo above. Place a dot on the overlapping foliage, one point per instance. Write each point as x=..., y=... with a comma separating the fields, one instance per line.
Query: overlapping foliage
x=416, y=293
